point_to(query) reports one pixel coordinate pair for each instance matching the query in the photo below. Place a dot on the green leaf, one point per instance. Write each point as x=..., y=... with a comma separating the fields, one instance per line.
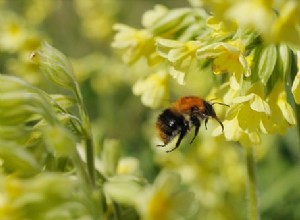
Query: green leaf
x=266, y=62
x=169, y=21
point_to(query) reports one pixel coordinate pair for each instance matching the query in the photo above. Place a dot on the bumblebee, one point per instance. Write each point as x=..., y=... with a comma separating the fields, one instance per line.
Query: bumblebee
x=184, y=114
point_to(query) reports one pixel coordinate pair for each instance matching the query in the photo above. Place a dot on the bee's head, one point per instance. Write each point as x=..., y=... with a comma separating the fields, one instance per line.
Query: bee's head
x=209, y=111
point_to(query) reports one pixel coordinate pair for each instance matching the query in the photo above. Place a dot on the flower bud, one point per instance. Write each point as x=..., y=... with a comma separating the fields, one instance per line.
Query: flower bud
x=59, y=140
x=55, y=65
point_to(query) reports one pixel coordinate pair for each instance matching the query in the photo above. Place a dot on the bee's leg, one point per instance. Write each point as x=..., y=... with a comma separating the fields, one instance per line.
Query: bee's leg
x=219, y=123
x=183, y=132
x=205, y=123
x=161, y=145
x=196, y=122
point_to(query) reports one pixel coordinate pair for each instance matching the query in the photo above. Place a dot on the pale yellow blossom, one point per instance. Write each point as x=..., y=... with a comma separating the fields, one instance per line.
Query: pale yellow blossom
x=181, y=56
x=282, y=115
x=13, y=34
x=135, y=44
x=227, y=58
x=286, y=27
x=153, y=89
x=257, y=14
x=165, y=199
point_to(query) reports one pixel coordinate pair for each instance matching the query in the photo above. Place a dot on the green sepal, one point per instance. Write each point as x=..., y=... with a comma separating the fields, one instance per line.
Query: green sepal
x=18, y=160
x=59, y=141
x=266, y=62
x=56, y=66
x=282, y=67
x=169, y=21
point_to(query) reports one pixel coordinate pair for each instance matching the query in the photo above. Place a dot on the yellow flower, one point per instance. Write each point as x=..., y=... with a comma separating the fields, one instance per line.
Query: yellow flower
x=282, y=115
x=286, y=27
x=128, y=166
x=296, y=83
x=260, y=15
x=181, y=56
x=135, y=44
x=150, y=17
x=165, y=199
x=153, y=89
x=13, y=34
x=37, y=10
x=224, y=93
x=257, y=14
x=252, y=114
x=213, y=169
x=47, y=194
x=220, y=28
x=227, y=58
x=218, y=7
x=97, y=18
x=245, y=116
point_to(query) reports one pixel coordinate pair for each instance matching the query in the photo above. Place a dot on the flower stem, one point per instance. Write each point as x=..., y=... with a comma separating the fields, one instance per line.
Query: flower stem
x=253, y=210
x=88, y=138
x=294, y=71
x=81, y=170
x=90, y=159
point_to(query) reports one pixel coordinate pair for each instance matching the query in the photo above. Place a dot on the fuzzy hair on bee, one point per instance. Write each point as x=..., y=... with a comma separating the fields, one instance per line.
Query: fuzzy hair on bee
x=184, y=114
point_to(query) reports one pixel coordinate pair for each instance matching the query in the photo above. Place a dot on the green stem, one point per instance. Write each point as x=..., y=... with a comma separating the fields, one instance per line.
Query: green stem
x=79, y=165
x=88, y=138
x=90, y=158
x=294, y=71
x=253, y=210
x=117, y=211
x=88, y=187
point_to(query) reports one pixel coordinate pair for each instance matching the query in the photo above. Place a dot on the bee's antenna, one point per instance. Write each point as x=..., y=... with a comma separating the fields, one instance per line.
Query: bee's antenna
x=220, y=103
x=212, y=99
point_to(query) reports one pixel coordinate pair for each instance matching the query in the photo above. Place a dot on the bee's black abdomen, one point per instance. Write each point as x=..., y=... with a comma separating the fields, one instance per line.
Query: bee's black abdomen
x=169, y=124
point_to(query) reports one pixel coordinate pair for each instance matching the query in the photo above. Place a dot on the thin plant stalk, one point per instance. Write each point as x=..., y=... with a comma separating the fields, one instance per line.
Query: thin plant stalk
x=253, y=209
x=88, y=135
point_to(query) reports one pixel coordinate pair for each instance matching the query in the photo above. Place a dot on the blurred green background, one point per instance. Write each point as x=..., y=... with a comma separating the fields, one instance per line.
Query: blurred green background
x=82, y=30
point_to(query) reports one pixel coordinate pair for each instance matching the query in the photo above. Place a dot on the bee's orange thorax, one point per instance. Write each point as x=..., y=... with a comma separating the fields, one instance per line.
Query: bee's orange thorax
x=184, y=104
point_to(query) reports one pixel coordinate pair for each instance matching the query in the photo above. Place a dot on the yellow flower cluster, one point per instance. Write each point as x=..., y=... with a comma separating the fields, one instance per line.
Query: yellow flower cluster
x=253, y=113
x=255, y=69
x=19, y=36
x=277, y=21
x=30, y=199
x=97, y=18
